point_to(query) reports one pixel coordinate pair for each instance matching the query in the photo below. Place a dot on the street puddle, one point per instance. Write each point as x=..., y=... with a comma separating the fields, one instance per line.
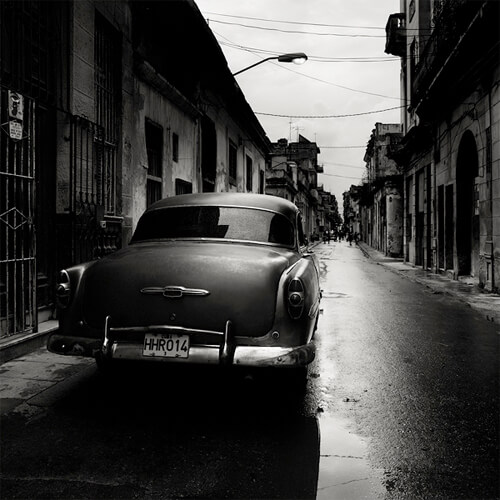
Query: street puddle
x=344, y=472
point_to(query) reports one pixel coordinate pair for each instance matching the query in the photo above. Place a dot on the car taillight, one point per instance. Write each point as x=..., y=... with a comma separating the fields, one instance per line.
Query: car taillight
x=295, y=298
x=63, y=290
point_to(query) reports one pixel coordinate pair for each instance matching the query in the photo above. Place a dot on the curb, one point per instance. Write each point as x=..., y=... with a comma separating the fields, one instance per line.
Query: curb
x=24, y=343
x=491, y=311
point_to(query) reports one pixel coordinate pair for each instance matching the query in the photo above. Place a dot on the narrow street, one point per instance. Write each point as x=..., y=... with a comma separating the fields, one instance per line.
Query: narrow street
x=412, y=374
x=402, y=402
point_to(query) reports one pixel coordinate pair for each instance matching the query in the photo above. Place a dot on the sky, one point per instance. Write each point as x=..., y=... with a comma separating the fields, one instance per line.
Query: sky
x=347, y=73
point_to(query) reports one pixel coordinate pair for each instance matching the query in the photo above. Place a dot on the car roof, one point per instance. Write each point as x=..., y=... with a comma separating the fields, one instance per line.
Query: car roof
x=249, y=200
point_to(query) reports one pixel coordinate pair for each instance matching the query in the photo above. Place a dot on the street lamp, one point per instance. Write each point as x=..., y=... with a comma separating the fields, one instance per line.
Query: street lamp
x=296, y=58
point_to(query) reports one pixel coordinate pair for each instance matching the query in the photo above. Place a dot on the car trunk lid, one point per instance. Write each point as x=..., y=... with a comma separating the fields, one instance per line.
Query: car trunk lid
x=164, y=283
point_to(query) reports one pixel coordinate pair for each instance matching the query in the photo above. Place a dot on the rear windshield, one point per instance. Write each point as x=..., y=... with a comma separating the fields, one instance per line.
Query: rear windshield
x=229, y=223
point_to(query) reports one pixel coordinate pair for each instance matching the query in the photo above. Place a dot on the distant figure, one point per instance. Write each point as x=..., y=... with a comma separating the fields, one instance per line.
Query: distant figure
x=349, y=238
x=328, y=236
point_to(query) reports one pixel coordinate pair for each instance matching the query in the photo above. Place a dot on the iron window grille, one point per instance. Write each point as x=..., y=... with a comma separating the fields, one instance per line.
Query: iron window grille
x=107, y=71
x=154, y=147
x=249, y=174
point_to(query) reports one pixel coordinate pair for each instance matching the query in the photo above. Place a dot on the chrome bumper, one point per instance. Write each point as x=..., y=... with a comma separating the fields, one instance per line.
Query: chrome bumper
x=210, y=355
x=226, y=350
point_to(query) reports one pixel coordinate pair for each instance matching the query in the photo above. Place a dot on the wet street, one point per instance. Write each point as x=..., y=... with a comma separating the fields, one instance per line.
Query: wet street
x=411, y=374
x=402, y=402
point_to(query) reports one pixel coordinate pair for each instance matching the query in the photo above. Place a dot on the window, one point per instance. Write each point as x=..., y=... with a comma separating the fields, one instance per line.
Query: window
x=107, y=81
x=175, y=147
x=489, y=151
x=233, y=162
x=227, y=223
x=154, y=147
x=249, y=173
x=183, y=187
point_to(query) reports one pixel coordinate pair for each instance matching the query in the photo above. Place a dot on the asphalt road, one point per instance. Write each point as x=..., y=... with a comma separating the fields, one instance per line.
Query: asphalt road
x=402, y=402
x=412, y=374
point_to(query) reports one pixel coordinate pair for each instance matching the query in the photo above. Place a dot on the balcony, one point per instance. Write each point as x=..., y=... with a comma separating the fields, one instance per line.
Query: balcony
x=395, y=29
x=465, y=35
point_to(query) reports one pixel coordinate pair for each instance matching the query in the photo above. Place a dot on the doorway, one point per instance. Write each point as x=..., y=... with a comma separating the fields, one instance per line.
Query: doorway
x=467, y=223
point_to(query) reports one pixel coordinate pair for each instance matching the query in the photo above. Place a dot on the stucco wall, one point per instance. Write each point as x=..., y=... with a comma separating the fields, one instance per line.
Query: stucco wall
x=394, y=212
x=226, y=128
x=149, y=104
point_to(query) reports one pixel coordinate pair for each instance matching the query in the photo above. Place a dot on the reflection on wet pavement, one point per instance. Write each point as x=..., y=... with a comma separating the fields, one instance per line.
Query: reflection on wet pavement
x=344, y=473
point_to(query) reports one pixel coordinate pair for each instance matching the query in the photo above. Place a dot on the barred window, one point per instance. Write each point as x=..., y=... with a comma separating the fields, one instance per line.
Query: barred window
x=175, y=147
x=249, y=174
x=233, y=162
x=154, y=147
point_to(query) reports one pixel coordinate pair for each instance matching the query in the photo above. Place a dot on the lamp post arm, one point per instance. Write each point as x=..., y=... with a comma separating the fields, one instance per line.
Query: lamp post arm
x=256, y=64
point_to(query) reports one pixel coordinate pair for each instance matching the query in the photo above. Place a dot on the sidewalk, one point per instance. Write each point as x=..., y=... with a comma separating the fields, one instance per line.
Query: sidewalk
x=486, y=303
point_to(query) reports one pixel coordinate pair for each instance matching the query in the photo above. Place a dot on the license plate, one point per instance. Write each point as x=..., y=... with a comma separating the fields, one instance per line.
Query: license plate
x=166, y=345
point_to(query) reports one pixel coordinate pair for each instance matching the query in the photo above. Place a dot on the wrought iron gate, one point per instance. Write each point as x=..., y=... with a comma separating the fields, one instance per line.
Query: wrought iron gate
x=17, y=230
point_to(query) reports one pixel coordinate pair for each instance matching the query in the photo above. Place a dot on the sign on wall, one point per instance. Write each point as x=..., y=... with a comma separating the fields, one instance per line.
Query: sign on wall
x=16, y=109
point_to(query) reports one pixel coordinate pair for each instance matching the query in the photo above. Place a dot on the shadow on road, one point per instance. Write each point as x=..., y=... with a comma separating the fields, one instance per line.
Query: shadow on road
x=161, y=432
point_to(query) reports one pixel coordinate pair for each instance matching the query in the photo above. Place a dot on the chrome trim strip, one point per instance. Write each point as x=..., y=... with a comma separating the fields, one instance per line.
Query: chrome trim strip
x=174, y=292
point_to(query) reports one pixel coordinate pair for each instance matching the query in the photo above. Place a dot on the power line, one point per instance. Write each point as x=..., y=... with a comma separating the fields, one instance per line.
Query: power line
x=426, y=30
x=343, y=165
x=341, y=147
x=342, y=176
x=347, y=35
x=296, y=22
x=315, y=58
x=329, y=116
x=253, y=51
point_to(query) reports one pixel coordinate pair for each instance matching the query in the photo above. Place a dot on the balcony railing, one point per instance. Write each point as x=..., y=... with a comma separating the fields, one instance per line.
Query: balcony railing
x=451, y=21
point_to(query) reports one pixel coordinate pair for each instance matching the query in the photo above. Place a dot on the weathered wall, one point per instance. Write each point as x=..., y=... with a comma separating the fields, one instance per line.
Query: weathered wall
x=394, y=210
x=149, y=104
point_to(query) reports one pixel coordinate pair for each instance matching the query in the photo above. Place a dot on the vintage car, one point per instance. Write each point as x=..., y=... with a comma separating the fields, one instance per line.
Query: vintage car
x=212, y=278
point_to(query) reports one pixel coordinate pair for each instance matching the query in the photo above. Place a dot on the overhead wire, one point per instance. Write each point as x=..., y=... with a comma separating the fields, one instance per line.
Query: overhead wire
x=315, y=58
x=325, y=25
x=295, y=32
x=294, y=22
x=253, y=51
x=329, y=116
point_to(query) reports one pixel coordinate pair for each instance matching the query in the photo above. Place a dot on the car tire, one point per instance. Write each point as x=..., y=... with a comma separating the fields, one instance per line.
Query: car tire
x=104, y=365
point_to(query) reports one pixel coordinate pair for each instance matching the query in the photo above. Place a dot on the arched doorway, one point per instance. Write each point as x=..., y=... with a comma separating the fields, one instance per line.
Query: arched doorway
x=467, y=226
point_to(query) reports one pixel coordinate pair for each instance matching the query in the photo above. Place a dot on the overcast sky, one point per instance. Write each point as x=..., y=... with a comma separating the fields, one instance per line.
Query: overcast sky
x=347, y=73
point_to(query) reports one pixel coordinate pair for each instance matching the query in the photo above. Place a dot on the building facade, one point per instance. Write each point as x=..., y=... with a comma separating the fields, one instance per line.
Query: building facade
x=450, y=150
x=293, y=175
x=382, y=204
x=99, y=120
